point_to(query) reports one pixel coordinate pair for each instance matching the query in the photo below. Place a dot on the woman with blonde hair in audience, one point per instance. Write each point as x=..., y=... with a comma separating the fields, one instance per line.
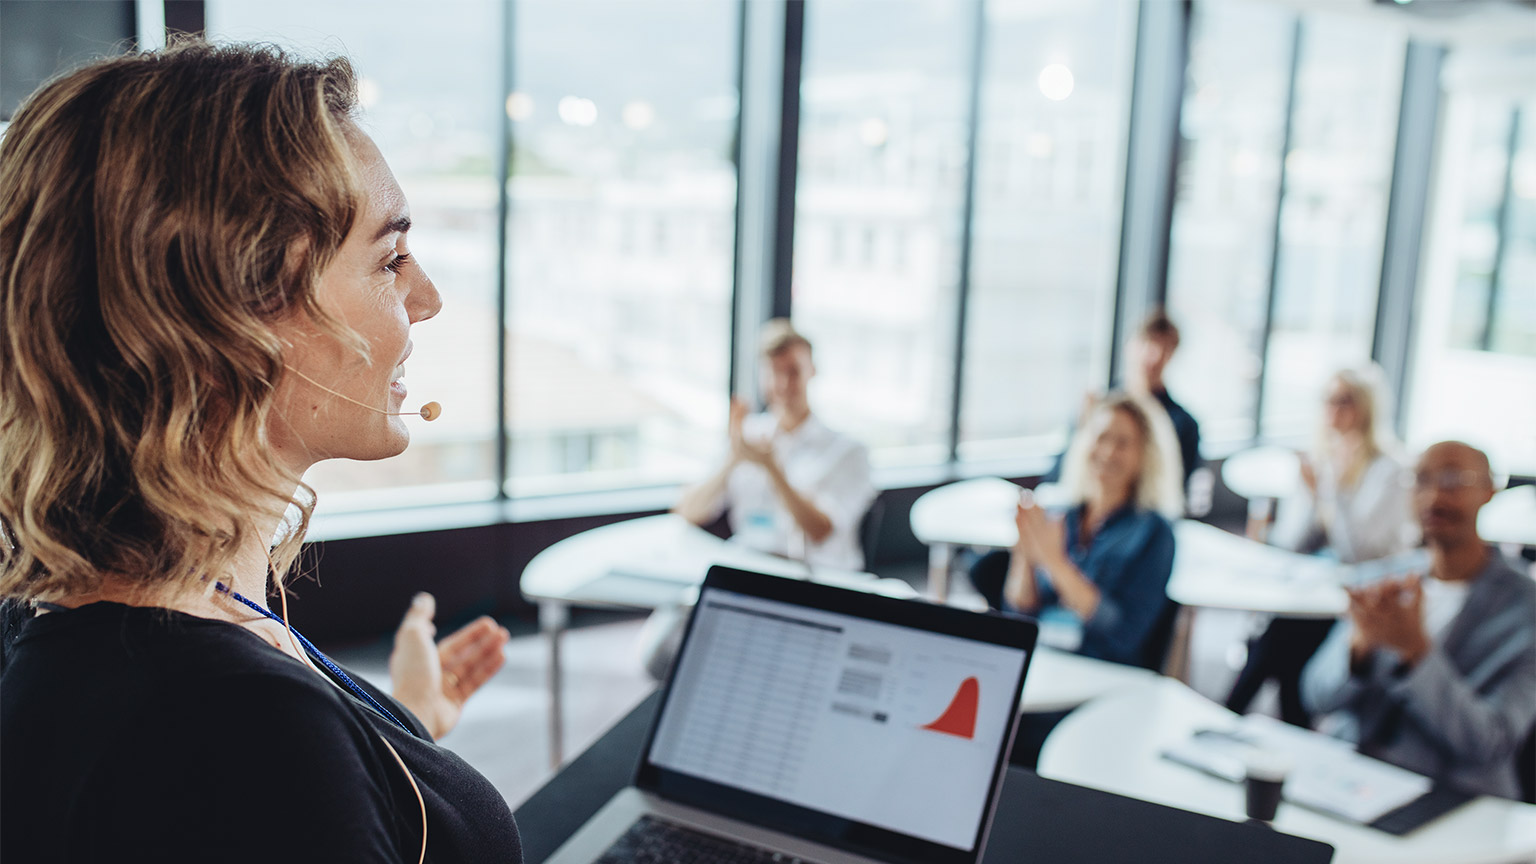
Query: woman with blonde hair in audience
x=1352, y=503
x=1102, y=567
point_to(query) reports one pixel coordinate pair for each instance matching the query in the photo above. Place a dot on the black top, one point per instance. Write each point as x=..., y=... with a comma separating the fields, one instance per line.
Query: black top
x=1186, y=428
x=144, y=734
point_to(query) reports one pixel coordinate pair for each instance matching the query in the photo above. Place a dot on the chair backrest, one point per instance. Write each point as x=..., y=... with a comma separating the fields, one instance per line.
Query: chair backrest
x=1154, y=654
x=1525, y=768
x=869, y=530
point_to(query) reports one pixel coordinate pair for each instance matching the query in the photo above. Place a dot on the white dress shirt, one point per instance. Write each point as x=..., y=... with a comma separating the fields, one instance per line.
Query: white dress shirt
x=1443, y=601
x=829, y=469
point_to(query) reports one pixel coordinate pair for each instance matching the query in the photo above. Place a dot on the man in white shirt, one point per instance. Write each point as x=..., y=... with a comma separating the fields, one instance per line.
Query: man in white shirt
x=792, y=486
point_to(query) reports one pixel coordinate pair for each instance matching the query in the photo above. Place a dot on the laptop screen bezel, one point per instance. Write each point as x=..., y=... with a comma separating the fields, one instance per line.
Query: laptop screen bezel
x=846, y=834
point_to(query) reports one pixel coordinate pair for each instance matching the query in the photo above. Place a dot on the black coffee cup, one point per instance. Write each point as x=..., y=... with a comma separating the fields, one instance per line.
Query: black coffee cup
x=1264, y=784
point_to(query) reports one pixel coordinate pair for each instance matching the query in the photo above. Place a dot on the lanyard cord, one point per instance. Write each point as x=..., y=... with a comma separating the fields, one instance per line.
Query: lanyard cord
x=314, y=652
x=357, y=691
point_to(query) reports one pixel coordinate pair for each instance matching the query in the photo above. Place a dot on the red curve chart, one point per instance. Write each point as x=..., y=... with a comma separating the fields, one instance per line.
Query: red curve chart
x=959, y=719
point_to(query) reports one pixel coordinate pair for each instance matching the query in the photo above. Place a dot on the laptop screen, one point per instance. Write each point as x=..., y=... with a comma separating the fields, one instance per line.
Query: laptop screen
x=870, y=722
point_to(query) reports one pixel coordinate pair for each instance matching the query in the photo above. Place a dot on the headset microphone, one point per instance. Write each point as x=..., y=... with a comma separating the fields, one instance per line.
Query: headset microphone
x=429, y=412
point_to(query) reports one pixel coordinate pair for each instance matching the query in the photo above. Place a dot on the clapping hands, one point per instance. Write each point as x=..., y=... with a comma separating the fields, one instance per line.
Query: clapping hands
x=742, y=450
x=1390, y=614
x=1042, y=539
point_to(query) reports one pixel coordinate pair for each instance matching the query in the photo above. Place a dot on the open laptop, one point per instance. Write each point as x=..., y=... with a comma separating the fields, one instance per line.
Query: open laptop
x=813, y=723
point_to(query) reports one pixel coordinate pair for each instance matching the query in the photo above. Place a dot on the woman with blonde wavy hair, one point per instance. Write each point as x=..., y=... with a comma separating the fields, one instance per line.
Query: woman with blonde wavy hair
x=1102, y=567
x=205, y=288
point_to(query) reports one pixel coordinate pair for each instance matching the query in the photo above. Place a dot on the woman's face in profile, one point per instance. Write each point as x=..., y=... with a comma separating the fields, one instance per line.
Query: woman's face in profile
x=374, y=287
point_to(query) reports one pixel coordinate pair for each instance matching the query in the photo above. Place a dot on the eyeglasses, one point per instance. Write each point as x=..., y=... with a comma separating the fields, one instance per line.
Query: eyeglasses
x=1344, y=401
x=1446, y=480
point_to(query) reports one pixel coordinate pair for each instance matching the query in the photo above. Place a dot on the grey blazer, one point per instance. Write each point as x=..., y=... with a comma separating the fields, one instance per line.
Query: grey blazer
x=1461, y=715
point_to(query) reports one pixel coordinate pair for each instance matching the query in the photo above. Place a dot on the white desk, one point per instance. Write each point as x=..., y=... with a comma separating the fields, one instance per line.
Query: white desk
x=1264, y=476
x=1060, y=681
x=1211, y=567
x=968, y=513
x=1262, y=472
x=1216, y=569
x=1114, y=744
x=1510, y=518
x=644, y=563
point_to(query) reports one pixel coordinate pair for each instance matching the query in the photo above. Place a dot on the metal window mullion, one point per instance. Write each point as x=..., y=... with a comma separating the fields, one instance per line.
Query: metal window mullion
x=788, y=161
x=1485, y=338
x=503, y=247
x=760, y=116
x=1151, y=167
x=1274, y=248
x=1412, y=165
x=734, y=335
x=149, y=21
x=967, y=223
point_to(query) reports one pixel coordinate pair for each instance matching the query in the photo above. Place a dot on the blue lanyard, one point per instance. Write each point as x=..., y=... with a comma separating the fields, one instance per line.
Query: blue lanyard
x=315, y=653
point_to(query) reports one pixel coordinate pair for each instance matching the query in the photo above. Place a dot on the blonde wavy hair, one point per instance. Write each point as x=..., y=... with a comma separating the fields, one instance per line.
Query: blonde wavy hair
x=159, y=211
x=1157, y=488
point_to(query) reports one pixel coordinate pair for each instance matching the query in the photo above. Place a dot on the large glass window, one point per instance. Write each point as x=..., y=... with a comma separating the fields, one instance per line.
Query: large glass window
x=1333, y=213
x=1233, y=128
x=1513, y=325
x=878, y=210
x=436, y=125
x=1470, y=364
x=1049, y=176
x=620, y=246
x=1475, y=145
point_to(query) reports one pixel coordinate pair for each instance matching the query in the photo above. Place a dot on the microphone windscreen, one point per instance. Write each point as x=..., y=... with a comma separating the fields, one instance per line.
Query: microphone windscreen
x=431, y=411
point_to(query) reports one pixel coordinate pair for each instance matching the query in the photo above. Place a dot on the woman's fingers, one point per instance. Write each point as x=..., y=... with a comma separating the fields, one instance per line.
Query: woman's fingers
x=473, y=655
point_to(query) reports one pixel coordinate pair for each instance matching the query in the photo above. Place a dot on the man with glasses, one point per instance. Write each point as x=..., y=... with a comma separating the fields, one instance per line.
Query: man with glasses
x=1437, y=672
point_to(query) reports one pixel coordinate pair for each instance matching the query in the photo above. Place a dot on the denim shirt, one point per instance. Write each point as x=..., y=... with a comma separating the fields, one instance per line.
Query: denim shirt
x=1130, y=561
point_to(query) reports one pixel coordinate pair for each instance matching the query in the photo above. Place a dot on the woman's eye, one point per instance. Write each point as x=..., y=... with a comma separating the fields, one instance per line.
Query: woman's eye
x=398, y=262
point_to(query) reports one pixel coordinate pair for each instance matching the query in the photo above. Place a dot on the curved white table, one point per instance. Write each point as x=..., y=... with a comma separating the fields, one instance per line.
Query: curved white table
x=975, y=512
x=1510, y=518
x=1060, y=681
x=1262, y=472
x=1211, y=567
x=1263, y=475
x=1216, y=569
x=1114, y=744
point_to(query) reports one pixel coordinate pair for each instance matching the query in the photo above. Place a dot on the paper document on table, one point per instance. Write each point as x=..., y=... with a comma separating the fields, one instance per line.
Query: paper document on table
x=1327, y=774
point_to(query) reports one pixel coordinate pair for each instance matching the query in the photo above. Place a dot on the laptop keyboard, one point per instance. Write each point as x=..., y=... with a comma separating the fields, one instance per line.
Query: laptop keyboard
x=651, y=841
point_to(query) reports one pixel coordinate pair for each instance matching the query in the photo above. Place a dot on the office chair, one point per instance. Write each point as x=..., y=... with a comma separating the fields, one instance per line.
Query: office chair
x=869, y=531
x=1155, y=653
x=1525, y=768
